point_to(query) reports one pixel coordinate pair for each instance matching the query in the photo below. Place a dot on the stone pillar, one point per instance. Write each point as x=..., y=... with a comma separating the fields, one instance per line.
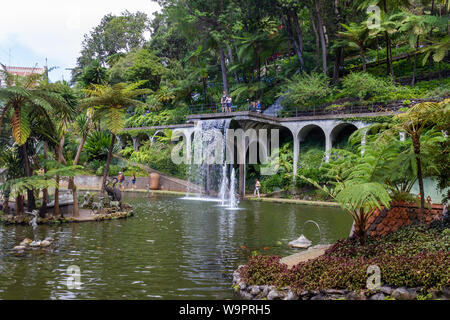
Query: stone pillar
x=328, y=146
x=135, y=143
x=242, y=169
x=296, y=154
x=363, y=143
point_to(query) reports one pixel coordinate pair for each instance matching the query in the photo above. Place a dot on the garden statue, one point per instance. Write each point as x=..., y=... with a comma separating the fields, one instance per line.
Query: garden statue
x=114, y=192
x=97, y=206
x=33, y=222
x=302, y=241
x=86, y=199
x=115, y=204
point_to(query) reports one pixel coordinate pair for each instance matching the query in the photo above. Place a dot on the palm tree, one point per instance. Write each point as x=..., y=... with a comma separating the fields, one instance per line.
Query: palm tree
x=356, y=36
x=82, y=126
x=110, y=103
x=416, y=27
x=26, y=98
x=414, y=122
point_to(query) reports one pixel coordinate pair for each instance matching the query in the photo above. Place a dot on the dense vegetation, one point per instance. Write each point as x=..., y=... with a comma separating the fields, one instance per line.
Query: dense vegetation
x=305, y=53
x=412, y=257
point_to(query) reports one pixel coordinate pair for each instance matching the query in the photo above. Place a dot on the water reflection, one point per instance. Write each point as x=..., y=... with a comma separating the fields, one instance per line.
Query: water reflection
x=171, y=249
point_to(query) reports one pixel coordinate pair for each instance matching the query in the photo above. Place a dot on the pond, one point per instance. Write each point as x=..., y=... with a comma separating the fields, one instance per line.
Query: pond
x=170, y=249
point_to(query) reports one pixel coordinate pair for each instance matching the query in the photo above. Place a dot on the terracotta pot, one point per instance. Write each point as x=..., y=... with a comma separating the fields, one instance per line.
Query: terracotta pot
x=154, y=181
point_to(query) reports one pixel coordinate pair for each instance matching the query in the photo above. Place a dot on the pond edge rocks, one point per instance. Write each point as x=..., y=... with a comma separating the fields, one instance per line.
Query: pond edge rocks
x=385, y=292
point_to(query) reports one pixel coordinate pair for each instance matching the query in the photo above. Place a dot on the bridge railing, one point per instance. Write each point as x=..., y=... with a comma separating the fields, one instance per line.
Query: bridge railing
x=217, y=108
x=301, y=111
x=327, y=110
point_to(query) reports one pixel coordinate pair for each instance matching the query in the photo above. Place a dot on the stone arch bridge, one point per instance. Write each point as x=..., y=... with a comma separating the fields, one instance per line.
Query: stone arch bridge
x=330, y=126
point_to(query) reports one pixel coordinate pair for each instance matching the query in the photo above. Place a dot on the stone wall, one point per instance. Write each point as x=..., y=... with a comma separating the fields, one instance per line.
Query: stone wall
x=268, y=292
x=384, y=221
x=165, y=183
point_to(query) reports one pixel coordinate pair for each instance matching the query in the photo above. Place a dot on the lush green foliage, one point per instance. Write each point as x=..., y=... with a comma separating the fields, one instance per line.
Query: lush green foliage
x=412, y=257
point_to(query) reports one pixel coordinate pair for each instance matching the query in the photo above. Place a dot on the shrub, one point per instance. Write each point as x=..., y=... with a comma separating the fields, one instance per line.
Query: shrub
x=413, y=257
x=97, y=145
x=273, y=183
x=364, y=86
x=307, y=90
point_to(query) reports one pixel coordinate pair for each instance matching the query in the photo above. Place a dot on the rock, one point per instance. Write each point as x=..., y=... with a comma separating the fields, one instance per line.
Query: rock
x=26, y=242
x=377, y=296
x=291, y=296
x=19, y=248
x=35, y=244
x=403, y=294
x=318, y=297
x=49, y=239
x=304, y=293
x=446, y=292
x=355, y=296
x=386, y=290
x=245, y=295
x=273, y=294
x=265, y=290
x=255, y=290
x=335, y=291
x=45, y=243
x=242, y=285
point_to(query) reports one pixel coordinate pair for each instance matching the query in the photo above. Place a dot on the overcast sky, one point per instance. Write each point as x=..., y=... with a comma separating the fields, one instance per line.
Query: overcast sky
x=32, y=30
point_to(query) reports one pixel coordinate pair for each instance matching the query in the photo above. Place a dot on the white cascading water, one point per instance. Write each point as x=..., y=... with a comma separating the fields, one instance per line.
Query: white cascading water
x=223, y=186
x=234, y=201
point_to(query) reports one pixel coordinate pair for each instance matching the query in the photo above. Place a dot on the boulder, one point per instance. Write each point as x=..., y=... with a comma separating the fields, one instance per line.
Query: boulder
x=255, y=290
x=377, y=296
x=26, y=242
x=45, y=243
x=35, y=244
x=273, y=294
x=386, y=290
x=291, y=296
x=404, y=294
x=19, y=248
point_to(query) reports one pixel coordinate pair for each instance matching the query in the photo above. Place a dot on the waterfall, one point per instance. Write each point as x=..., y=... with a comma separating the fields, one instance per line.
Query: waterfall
x=234, y=201
x=223, y=185
x=207, y=168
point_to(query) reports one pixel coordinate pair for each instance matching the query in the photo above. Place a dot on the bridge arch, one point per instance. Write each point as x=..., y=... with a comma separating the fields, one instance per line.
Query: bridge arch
x=341, y=132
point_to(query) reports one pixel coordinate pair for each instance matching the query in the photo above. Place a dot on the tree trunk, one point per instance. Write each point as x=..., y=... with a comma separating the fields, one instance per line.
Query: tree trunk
x=413, y=81
x=31, y=201
x=295, y=35
x=108, y=163
x=363, y=58
x=5, y=207
x=76, y=209
x=416, y=143
x=72, y=185
x=316, y=32
x=224, y=70
x=56, y=211
x=230, y=56
x=45, y=190
x=323, y=45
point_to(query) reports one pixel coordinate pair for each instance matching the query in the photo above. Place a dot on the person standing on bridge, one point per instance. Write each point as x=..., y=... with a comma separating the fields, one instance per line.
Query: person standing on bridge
x=258, y=106
x=228, y=104
x=223, y=101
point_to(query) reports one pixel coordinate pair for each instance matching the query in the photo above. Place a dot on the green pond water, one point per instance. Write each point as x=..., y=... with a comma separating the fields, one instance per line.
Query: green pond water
x=170, y=249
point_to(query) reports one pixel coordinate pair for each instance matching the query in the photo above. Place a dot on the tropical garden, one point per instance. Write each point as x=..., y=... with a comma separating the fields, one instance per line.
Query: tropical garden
x=305, y=55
